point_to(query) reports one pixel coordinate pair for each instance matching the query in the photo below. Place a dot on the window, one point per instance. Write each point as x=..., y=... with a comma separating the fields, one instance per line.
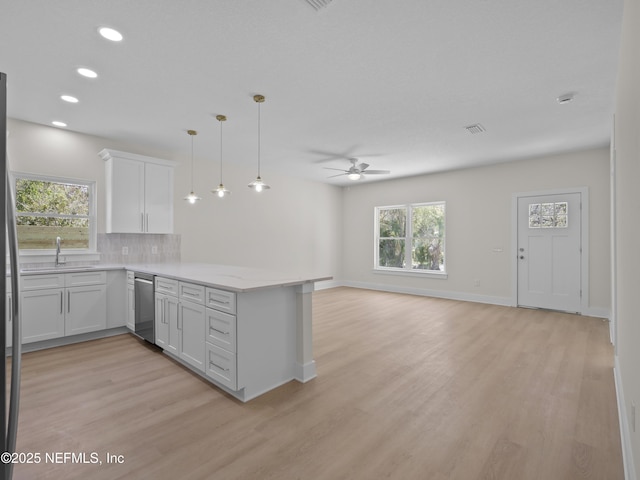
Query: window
x=548, y=215
x=411, y=237
x=48, y=207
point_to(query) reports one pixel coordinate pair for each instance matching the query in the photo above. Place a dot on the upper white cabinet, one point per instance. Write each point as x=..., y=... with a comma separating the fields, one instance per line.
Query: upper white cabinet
x=139, y=193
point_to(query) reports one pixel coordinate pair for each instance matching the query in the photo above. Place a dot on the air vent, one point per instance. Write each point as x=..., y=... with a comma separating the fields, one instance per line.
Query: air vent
x=477, y=128
x=318, y=4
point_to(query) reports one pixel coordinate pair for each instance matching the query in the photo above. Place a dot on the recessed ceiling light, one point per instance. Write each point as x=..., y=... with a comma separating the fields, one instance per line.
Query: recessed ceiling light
x=110, y=34
x=58, y=123
x=566, y=98
x=85, y=72
x=69, y=98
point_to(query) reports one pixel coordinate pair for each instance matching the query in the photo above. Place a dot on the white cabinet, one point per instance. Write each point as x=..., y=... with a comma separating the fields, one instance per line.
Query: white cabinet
x=221, y=346
x=191, y=326
x=167, y=333
x=42, y=314
x=131, y=302
x=57, y=305
x=180, y=320
x=139, y=193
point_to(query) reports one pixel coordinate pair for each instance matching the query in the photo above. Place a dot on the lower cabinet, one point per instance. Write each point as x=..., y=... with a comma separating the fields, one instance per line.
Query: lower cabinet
x=131, y=302
x=57, y=305
x=180, y=320
x=191, y=326
x=167, y=333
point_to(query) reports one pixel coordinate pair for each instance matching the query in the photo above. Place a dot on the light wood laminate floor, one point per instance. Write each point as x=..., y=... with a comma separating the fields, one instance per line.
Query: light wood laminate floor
x=408, y=388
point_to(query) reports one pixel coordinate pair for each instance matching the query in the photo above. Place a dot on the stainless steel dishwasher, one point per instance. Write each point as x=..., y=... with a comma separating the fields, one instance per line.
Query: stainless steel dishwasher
x=144, y=306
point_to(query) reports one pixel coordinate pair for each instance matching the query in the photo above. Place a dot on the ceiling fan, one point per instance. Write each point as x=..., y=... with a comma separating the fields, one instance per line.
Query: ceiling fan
x=356, y=172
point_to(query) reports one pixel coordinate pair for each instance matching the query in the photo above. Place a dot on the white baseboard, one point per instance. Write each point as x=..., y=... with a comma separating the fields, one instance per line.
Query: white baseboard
x=462, y=296
x=306, y=372
x=625, y=435
x=467, y=297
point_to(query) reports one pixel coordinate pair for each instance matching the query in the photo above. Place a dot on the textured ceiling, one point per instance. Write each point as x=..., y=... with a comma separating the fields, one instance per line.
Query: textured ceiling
x=391, y=82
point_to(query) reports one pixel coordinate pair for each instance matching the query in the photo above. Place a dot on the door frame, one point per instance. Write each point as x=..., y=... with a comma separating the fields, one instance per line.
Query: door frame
x=584, y=240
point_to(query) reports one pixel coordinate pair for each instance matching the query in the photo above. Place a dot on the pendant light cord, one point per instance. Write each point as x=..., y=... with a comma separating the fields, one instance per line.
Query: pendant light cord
x=192, y=163
x=258, y=139
x=221, y=153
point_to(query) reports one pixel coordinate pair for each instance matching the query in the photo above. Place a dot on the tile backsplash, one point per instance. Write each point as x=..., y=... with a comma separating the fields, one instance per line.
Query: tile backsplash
x=139, y=248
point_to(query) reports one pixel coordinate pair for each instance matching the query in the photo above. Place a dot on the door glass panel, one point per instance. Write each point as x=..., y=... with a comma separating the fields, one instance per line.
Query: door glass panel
x=548, y=215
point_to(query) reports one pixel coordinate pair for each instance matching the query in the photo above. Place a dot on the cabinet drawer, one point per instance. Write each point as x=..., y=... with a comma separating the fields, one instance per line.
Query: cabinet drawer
x=79, y=279
x=221, y=329
x=130, y=277
x=221, y=300
x=38, y=282
x=221, y=366
x=165, y=285
x=191, y=292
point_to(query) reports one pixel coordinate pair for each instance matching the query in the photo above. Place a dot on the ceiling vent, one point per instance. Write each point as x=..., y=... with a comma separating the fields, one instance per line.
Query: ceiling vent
x=318, y=4
x=477, y=128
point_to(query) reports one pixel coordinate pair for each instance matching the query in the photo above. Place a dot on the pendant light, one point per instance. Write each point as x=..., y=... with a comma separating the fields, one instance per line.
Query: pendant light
x=192, y=197
x=258, y=185
x=221, y=191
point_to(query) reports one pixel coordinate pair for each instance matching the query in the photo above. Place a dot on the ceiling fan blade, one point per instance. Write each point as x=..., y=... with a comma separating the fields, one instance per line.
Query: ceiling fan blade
x=338, y=169
x=338, y=175
x=377, y=172
x=363, y=166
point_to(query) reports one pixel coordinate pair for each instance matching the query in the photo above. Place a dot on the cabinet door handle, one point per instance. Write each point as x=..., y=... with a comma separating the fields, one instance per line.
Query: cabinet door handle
x=211, y=364
x=147, y=227
x=68, y=301
x=61, y=300
x=142, y=222
x=219, y=331
x=165, y=302
x=179, y=319
x=10, y=308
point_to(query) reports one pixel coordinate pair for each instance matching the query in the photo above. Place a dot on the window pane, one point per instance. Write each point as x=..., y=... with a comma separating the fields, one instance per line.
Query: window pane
x=428, y=255
x=391, y=253
x=37, y=196
x=428, y=226
x=41, y=232
x=392, y=222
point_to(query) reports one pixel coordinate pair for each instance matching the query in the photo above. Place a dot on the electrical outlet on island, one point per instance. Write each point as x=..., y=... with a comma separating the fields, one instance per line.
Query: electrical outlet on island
x=154, y=250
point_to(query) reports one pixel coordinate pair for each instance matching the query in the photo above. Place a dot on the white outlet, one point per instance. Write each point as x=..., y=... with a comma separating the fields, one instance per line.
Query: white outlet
x=476, y=282
x=633, y=416
x=154, y=250
x=125, y=250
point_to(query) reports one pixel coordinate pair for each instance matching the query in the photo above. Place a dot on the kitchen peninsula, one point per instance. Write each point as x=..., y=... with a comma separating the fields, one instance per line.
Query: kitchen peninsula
x=246, y=330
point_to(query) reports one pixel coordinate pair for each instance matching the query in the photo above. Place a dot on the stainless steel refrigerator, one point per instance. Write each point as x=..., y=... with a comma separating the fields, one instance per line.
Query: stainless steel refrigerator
x=10, y=381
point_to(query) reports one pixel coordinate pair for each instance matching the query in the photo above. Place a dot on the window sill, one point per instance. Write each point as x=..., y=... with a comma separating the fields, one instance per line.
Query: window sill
x=412, y=273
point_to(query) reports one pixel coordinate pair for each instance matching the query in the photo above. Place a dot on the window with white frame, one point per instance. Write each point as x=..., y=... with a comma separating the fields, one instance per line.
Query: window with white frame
x=411, y=237
x=49, y=207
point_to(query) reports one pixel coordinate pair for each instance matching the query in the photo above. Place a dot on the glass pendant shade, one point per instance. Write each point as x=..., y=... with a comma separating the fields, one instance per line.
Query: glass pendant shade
x=258, y=185
x=192, y=197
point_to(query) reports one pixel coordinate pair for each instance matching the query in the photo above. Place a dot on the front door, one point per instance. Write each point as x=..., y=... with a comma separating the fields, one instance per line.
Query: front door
x=549, y=251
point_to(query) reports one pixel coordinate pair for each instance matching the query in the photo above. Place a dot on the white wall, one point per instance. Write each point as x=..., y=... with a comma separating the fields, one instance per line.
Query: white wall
x=295, y=226
x=479, y=203
x=627, y=198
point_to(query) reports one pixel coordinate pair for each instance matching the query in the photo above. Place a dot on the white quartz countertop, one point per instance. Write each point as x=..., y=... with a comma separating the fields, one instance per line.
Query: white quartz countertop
x=225, y=277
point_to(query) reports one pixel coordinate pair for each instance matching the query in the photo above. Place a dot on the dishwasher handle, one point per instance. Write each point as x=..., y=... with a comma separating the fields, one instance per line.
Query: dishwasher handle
x=142, y=280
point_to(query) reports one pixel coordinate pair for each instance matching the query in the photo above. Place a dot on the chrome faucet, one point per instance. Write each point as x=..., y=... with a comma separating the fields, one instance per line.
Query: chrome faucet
x=58, y=262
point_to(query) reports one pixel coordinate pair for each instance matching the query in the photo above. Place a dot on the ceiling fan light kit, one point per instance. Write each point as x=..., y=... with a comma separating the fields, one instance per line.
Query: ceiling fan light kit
x=357, y=171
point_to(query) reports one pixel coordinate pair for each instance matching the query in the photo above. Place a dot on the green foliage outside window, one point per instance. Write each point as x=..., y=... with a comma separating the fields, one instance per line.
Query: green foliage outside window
x=417, y=229
x=48, y=209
